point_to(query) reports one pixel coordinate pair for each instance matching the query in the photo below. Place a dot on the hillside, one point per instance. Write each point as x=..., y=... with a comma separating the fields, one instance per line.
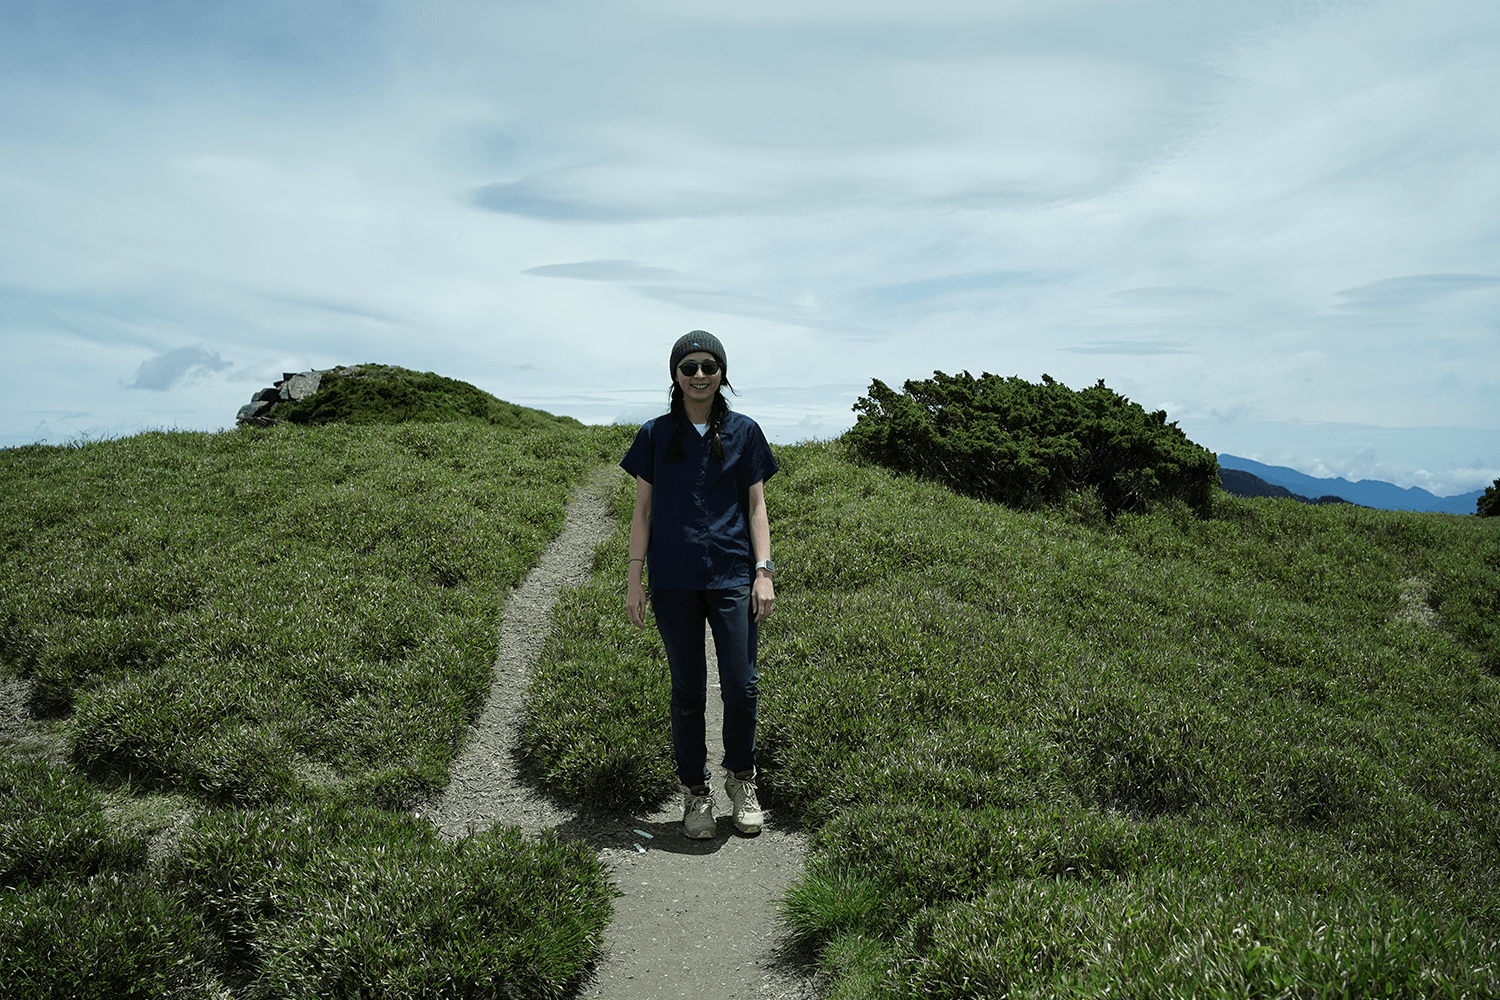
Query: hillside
x=388, y=394
x=1038, y=752
x=1043, y=754
x=230, y=664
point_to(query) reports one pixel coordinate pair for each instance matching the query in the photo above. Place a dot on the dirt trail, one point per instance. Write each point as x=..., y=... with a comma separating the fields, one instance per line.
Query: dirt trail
x=697, y=917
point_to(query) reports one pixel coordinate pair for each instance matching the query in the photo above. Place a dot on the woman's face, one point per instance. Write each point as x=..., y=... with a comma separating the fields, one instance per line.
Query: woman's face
x=699, y=386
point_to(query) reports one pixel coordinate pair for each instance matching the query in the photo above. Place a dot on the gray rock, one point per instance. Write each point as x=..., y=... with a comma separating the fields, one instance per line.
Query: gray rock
x=301, y=386
x=293, y=386
x=251, y=412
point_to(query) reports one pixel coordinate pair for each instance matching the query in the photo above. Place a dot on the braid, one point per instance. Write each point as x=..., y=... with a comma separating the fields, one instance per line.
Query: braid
x=715, y=422
x=679, y=417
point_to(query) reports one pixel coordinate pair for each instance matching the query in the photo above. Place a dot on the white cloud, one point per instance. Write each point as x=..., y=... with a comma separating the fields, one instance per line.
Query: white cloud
x=1275, y=211
x=1419, y=290
x=166, y=370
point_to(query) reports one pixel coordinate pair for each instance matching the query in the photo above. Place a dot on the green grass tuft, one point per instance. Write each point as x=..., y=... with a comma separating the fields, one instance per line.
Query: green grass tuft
x=102, y=938
x=342, y=901
x=53, y=826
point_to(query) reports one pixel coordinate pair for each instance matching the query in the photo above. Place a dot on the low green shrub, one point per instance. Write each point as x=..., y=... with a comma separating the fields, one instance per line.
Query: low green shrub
x=329, y=900
x=386, y=394
x=1007, y=440
x=1178, y=937
x=1143, y=759
x=343, y=901
x=103, y=937
x=53, y=827
x=1467, y=596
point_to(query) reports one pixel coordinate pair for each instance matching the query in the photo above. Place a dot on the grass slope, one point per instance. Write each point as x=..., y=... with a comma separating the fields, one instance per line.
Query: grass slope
x=271, y=641
x=1256, y=754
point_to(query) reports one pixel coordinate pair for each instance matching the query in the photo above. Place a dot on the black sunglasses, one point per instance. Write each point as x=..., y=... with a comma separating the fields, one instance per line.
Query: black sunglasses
x=690, y=368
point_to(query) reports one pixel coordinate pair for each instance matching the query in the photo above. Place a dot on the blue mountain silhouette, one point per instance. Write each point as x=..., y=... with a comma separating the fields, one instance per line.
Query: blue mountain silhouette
x=1366, y=492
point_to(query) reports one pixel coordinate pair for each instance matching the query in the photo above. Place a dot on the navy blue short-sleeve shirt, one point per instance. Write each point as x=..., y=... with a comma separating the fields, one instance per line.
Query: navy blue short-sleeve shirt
x=700, y=508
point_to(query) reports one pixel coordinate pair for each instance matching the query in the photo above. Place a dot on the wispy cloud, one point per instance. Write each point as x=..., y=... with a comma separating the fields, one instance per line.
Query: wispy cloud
x=1279, y=210
x=756, y=307
x=1415, y=290
x=1131, y=347
x=539, y=201
x=699, y=295
x=1167, y=295
x=622, y=271
x=928, y=291
x=166, y=370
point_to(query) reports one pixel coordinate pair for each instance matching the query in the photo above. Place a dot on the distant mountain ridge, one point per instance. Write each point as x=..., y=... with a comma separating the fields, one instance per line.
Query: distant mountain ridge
x=1366, y=492
x=1248, y=484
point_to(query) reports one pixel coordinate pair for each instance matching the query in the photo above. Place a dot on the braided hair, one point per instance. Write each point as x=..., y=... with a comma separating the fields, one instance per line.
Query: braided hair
x=716, y=415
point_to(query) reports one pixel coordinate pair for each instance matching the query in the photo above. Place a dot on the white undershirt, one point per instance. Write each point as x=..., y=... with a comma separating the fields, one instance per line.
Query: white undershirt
x=702, y=429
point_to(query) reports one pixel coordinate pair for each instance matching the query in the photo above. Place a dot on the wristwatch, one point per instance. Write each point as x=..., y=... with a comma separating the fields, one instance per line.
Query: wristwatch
x=767, y=565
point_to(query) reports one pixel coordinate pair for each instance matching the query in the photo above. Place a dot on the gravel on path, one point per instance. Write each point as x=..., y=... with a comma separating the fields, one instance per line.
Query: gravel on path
x=695, y=917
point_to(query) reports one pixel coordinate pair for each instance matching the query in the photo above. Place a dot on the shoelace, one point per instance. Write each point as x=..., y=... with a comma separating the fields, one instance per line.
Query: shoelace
x=747, y=793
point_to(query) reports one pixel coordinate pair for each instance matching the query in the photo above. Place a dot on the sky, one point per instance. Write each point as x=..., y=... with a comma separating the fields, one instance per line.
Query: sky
x=1275, y=219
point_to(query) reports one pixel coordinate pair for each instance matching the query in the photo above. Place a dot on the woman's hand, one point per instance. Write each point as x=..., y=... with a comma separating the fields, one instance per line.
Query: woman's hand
x=762, y=596
x=762, y=592
x=635, y=603
x=640, y=541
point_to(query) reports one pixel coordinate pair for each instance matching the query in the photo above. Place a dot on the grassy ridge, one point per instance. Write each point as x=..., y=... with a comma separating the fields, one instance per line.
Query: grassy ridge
x=1042, y=755
x=268, y=639
x=387, y=394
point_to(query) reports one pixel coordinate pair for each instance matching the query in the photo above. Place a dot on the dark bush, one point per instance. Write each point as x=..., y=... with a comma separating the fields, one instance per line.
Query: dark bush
x=1488, y=505
x=1016, y=443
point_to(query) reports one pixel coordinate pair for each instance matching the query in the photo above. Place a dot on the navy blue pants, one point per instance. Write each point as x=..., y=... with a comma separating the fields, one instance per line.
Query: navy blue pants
x=680, y=617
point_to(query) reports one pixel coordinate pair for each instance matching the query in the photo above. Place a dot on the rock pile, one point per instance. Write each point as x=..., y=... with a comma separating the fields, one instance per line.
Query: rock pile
x=292, y=387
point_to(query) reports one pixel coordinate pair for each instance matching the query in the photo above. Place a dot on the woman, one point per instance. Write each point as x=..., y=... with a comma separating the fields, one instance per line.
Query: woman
x=700, y=521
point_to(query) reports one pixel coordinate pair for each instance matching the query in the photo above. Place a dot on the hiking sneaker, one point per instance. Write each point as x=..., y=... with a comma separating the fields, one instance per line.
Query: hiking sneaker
x=698, y=812
x=741, y=791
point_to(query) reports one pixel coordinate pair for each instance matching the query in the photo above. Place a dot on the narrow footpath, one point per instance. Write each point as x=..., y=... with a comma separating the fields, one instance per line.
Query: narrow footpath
x=696, y=918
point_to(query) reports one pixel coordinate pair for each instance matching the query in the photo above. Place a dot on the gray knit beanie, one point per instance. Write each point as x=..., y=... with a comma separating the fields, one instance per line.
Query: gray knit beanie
x=698, y=340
